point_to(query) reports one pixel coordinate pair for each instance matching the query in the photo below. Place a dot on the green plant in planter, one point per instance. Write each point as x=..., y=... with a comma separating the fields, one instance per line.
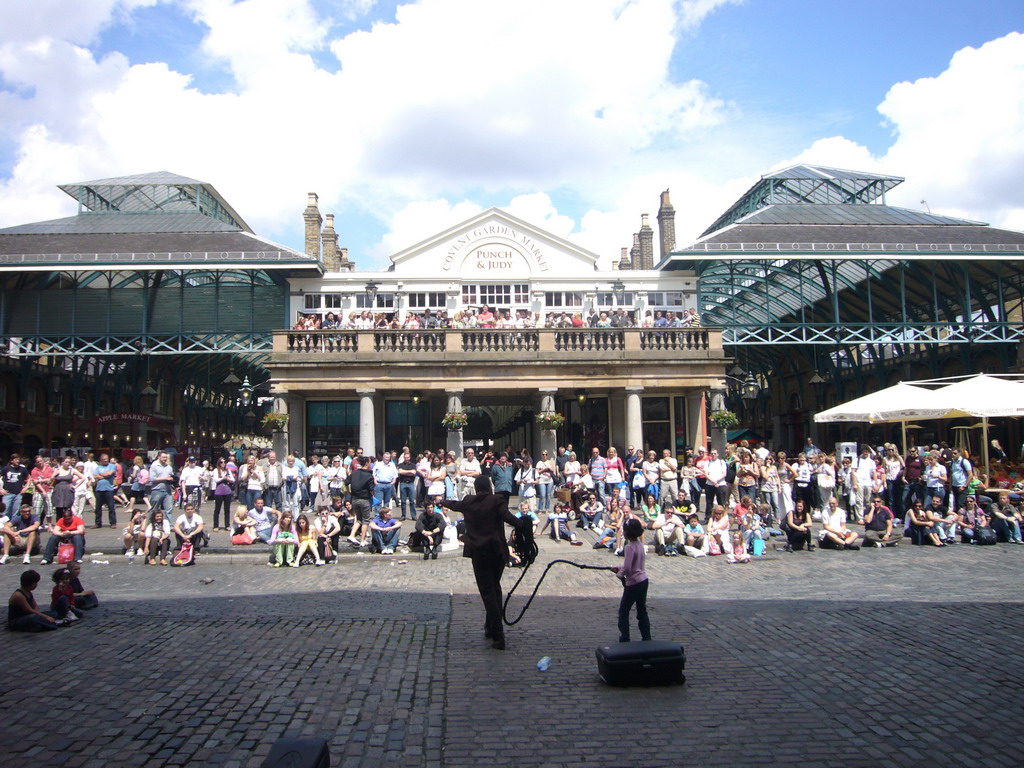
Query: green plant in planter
x=275, y=421
x=454, y=421
x=724, y=419
x=549, y=419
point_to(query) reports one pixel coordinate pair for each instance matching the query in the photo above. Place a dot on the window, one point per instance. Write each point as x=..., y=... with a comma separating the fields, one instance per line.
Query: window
x=665, y=299
x=563, y=299
x=332, y=300
x=426, y=300
x=382, y=301
x=608, y=299
x=3, y=396
x=405, y=424
x=58, y=404
x=495, y=295
x=312, y=301
x=331, y=427
x=32, y=404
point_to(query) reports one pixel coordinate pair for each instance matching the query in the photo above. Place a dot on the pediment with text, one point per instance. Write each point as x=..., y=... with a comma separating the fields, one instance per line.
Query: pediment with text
x=493, y=245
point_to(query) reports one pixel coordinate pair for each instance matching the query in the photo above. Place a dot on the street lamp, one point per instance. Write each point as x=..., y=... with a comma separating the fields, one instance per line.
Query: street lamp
x=581, y=396
x=371, y=293
x=751, y=389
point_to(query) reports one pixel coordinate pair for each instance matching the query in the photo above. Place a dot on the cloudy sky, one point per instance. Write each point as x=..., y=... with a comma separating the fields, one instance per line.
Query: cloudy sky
x=407, y=117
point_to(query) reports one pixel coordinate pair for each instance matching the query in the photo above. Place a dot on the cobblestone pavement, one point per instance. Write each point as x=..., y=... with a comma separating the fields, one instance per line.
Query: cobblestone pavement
x=897, y=657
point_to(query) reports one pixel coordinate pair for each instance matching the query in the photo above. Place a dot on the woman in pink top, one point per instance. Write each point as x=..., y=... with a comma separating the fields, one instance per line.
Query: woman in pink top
x=634, y=582
x=719, y=530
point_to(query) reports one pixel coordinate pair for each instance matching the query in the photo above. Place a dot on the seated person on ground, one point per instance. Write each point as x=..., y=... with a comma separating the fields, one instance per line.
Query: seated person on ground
x=558, y=519
x=650, y=510
x=386, y=531
x=242, y=526
x=668, y=532
x=263, y=519
x=682, y=505
x=283, y=539
x=970, y=518
x=189, y=527
x=429, y=531
x=753, y=527
x=739, y=552
x=157, y=538
x=718, y=530
x=21, y=534
x=945, y=522
x=1006, y=519
x=834, y=533
x=328, y=531
x=798, y=528
x=71, y=528
x=84, y=598
x=591, y=512
x=879, y=525
x=133, y=537
x=307, y=542
x=62, y=598
x=23, y=614
x=922, y=529
x=693, y=533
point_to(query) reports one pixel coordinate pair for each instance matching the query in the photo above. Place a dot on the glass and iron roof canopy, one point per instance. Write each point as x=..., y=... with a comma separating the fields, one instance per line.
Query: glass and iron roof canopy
x=808, y=184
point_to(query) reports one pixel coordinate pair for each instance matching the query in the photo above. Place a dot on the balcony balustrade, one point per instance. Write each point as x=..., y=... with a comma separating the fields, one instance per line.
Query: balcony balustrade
x=553, y=344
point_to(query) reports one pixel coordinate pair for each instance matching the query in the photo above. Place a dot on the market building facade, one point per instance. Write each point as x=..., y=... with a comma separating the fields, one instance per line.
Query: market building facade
x=558, y=335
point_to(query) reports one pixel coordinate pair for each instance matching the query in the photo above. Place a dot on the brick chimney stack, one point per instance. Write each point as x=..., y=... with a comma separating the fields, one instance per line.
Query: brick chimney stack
x=344, y=265
x=329, y=251
x=313, y=221
x=646, y=236
x=634, y=252
x=666, y=225
x=624, y=262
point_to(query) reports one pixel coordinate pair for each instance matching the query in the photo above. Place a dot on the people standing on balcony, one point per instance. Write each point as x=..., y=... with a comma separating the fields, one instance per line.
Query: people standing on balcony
x=485, y=318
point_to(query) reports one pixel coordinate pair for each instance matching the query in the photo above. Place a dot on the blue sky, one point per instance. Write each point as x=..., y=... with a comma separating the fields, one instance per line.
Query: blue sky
x=575, y=114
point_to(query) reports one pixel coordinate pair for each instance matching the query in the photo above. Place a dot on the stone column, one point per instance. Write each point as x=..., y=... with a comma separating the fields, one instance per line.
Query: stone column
x=297, y=424
x=716, y=434
x=634, y=419
x=692, y=418
x=367, y=422
x=545, y=439
x=279, y=437
x=455, y=406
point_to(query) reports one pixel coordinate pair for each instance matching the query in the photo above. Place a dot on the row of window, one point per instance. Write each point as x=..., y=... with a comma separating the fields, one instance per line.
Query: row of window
x=492, y=295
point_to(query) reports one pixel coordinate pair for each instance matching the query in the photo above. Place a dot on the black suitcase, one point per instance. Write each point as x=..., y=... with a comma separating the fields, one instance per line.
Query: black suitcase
x=647, y=662
x=298, y=753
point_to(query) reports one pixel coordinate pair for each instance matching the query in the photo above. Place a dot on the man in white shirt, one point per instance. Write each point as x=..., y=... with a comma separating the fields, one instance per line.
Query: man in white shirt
x=190, y=483
x=834, y=533
x=865, y=472
x=669, y=476
x=189, y=527
x=273, y=471
x=668, y=531
x=469, y=470
x=384, y=475
x=716, y=489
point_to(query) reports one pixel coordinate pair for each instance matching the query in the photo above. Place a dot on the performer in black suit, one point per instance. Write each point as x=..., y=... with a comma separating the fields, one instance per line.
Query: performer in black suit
x=485, y=542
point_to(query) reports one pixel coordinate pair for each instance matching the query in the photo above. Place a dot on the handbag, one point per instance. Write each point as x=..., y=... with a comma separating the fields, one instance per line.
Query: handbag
x=65, y=552
x=985, y=535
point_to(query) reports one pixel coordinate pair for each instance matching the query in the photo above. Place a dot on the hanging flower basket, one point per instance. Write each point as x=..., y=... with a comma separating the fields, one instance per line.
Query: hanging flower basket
x=549, y=419
x=454, y=421
x=724, y=419
x=275, y=421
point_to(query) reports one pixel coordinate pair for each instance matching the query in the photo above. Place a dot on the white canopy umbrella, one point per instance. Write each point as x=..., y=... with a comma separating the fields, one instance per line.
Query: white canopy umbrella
x=901, y=402
x=985, y=396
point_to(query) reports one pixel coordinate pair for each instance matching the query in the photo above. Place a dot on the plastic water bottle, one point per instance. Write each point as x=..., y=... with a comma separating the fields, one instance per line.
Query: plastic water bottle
x=544, y=663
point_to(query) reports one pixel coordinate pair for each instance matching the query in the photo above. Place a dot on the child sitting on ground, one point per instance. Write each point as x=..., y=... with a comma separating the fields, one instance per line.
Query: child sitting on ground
x=739, y=552
x=133, y=537
x=62, y=598
x=84, y=598
x=283, y=538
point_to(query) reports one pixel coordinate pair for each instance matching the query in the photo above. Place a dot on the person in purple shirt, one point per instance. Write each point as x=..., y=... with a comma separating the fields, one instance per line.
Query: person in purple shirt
x=634, y=582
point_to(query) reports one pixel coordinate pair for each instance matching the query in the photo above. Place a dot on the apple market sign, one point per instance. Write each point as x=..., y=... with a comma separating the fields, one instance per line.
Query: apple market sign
x=502, y=248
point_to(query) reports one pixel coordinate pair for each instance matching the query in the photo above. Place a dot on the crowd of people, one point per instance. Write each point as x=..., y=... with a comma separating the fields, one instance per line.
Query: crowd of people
x=699, y=504
x=499, y=318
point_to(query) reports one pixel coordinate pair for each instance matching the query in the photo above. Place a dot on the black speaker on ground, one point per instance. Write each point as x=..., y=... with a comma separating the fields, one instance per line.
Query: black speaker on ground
x=646, y=662
x=298, y=753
